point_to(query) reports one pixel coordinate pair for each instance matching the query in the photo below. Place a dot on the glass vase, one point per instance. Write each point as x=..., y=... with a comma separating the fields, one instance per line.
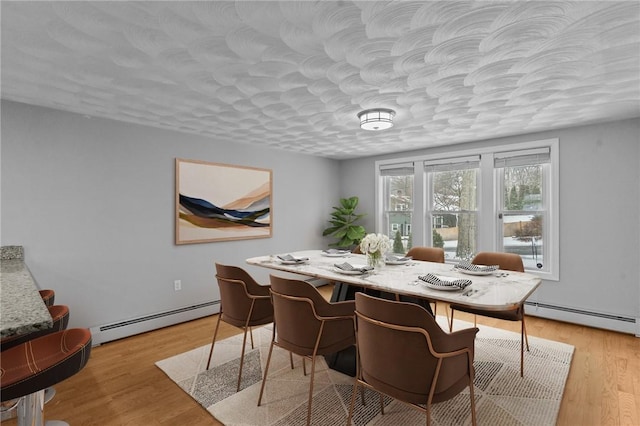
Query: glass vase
x=374, y=259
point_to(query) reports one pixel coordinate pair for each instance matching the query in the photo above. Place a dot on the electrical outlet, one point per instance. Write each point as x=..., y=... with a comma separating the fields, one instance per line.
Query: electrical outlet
x=177, y=285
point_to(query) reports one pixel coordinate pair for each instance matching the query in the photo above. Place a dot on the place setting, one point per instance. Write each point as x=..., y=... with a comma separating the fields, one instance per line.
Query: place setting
x=348, y=269
x=469, y=268
x=392, y=259
x=439, y=282
x=336, y=253
x=288, y=259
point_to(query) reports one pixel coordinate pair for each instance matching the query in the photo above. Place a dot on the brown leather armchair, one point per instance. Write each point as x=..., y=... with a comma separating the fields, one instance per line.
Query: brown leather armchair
x=508, y=262
x=403, y=353
x=243, y=303
x=307, y=325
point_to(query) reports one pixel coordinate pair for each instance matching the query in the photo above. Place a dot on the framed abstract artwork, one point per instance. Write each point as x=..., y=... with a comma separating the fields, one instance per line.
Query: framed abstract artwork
x=221, y=202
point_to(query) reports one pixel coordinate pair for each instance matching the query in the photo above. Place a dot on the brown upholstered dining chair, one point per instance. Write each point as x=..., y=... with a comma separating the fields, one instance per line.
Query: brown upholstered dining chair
x=59, y=315
x=427, y=254
x=307, y=325
x=508, y=262
x=243, y=303
x=403, y=353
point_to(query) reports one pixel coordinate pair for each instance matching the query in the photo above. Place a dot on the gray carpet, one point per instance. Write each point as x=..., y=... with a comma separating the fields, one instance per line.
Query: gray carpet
x=502, y=396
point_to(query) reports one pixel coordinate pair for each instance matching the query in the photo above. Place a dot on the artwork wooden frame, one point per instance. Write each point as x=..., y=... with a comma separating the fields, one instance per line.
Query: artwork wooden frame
x=221, y=202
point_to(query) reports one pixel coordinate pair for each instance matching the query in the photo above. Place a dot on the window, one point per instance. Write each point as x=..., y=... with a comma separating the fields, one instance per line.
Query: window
x=522, y=213
x=490, y=199
x=452, y=208
x=397, y=184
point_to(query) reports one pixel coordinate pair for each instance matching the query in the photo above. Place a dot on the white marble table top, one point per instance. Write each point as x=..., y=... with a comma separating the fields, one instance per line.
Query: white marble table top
x=492, y=292
x=22, y=308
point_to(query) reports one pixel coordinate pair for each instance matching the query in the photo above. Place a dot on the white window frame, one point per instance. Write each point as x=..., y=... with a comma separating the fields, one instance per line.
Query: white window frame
x=488, y=199
x=454, y=163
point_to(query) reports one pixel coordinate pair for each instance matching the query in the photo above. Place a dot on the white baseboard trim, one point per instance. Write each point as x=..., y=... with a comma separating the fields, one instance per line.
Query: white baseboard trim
x=621, y=324
x=118, y=330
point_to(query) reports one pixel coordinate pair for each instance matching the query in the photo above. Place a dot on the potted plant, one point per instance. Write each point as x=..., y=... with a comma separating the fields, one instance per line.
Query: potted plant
x=343, y=224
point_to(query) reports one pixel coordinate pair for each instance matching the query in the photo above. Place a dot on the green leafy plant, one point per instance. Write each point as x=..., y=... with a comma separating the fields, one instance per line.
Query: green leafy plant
x=343, y=224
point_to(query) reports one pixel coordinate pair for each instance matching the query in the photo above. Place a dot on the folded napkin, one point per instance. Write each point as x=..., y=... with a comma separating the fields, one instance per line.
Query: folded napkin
x=335, y=251
x=393, y=258
x=349, y=267
x=437, y=281
x=468, y=266
x=289, y=258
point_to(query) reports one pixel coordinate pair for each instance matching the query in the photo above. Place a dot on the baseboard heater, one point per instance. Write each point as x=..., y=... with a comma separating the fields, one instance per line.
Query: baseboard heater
x=619, y=323
x=118, y=330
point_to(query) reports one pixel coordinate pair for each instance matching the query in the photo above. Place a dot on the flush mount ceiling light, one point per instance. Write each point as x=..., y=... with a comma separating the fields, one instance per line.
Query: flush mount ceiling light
x=376, y=119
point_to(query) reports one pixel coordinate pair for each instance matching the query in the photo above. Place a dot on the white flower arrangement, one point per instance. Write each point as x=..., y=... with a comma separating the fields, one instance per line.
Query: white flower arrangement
x=377, y=244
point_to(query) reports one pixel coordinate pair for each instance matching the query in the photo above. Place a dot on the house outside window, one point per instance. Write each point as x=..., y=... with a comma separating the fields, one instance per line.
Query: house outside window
x=398, y=189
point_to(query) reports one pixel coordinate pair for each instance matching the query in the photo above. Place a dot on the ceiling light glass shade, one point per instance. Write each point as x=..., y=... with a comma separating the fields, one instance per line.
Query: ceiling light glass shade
x=376, y=119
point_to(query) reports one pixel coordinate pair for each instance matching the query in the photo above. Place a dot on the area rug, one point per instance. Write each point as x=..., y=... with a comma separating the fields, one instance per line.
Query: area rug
x=502, y=396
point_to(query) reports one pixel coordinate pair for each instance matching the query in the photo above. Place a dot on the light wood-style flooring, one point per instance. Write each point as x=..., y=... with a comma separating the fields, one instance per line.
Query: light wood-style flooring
x=122, y=386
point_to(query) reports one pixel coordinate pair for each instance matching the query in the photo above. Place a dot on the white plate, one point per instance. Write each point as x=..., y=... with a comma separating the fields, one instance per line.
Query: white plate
x=478, y=273
x=396, y=262
x=441, y=287
x=356, y=272
x=293, y=262
x=336, y=254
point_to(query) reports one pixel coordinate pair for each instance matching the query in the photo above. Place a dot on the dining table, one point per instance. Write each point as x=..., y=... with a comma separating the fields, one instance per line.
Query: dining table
x=349, y=272
x=498, y=290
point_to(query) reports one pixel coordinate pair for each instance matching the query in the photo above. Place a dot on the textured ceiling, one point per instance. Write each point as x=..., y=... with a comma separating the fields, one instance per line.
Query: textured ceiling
x=294, y=74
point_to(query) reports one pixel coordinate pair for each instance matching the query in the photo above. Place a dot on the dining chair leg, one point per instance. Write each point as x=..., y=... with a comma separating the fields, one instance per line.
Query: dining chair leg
x=521, y=355
x=381, y=403
x=244, y=344
x=353, y=401
x=304, y=366
x=251, y=334
x=451, y=322
x=313, y=371
x=291, y=359
x=213, y=342
x=266, y=370
x=473, y=399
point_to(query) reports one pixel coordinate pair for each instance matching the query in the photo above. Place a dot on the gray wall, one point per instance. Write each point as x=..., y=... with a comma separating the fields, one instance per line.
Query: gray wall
x=599, y=211
x=92, y=202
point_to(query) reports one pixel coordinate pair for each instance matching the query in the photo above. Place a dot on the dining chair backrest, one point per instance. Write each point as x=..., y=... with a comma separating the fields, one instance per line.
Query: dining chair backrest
x=401, y=347
x=301, y=314
x=506, y=261
x=237, y=296
x=427, y=254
